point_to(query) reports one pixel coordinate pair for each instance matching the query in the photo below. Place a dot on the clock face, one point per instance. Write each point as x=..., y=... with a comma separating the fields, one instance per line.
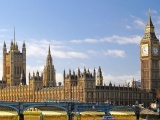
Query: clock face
x=155, y=50
x=144, y=50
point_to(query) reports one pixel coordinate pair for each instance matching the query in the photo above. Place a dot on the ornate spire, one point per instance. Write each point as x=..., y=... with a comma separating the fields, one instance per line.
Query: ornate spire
x=69, y=72
x=64, y=73
x=24, y=45
x=14, y=35
x=149, y=29
x=149, y=23
x=49, y=51
x=94, y=72
x=78, y=72
x=4, y=45
x=49, y=57
x=99, y=72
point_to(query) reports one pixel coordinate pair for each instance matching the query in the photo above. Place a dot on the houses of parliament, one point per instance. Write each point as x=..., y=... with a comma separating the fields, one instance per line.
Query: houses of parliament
x=82, y=85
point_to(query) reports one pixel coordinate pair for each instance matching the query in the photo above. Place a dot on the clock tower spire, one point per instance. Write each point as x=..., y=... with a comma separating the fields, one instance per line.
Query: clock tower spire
x=149, y=56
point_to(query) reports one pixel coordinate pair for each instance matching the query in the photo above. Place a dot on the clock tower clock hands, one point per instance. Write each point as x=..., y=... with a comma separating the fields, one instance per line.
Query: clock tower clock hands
x=144, y=50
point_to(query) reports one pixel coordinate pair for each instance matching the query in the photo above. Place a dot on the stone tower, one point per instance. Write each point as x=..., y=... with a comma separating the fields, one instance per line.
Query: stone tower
x=14, y=64
x=49, y=78
x=150, y=58
x=99, y=79
x=84, y=82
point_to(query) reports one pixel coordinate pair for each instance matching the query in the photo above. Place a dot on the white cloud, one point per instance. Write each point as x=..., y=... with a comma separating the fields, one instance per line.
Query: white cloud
x=122, y=40
x=76, y=55
x=3, y=30
x=40, y=48
x=71, y=54
x=120, y=80
x=115, y=53
x=128, y=27
x=158, y=20
x=32, y=69
x=139, y=23
x=113, y=39
x=92, y=52
x=154, y=11
x=88, y=40
x=59, y=77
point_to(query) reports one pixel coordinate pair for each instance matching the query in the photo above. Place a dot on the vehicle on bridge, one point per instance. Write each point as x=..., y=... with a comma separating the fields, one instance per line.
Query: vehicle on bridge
x=106, y=117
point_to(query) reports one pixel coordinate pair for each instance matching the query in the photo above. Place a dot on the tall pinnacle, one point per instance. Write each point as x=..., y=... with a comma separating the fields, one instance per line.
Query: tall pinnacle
x=4, y=45
x=149, y=19
x=149, y=29
x=49, y=57
x=14, y=35
x=49, y=52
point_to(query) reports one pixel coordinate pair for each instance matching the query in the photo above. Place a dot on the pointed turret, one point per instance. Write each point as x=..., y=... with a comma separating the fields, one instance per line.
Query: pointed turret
x=11, y=46
x=78, y=72
x=84, y=70
x=69, y=72
x=99, y=79
x=49, y=57
x=33, y=74
x=49, y=78
x=64, y=74
x=149, y=29
x=110, y=84
x=99, y=72
x=4, y=45
x=37, y=74
x=49, y=51
x=16, y=46
x=14, y=40
x=149, y=23
x=14, y=36
x=4, y=48
x=24, y=45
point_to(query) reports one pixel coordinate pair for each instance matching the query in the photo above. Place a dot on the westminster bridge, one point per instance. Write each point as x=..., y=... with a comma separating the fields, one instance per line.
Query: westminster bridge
x=69, y=106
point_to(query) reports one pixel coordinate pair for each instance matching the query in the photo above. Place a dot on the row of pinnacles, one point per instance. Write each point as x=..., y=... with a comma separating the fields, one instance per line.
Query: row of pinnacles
x=14, y=64
x=84, y=86
x=86, y=75
x=72, y=79
x=14, y=67
x=14, y=70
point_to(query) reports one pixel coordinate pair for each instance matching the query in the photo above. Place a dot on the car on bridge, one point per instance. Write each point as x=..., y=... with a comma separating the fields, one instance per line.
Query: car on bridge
x=107, y=117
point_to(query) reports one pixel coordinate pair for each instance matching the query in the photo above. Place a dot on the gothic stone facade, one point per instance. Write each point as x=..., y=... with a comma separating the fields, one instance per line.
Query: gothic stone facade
x=83, y=85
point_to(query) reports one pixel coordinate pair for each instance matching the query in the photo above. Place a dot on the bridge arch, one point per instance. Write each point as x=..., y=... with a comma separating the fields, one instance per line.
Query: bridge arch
x=41, y=105
x=10, y=106
x=125, y=107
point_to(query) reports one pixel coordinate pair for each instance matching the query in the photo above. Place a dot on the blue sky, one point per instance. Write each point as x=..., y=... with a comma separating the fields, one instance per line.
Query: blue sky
x=82, y=33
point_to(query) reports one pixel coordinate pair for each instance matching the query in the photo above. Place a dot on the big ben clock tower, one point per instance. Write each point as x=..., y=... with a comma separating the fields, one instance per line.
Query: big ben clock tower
x=149, y=56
